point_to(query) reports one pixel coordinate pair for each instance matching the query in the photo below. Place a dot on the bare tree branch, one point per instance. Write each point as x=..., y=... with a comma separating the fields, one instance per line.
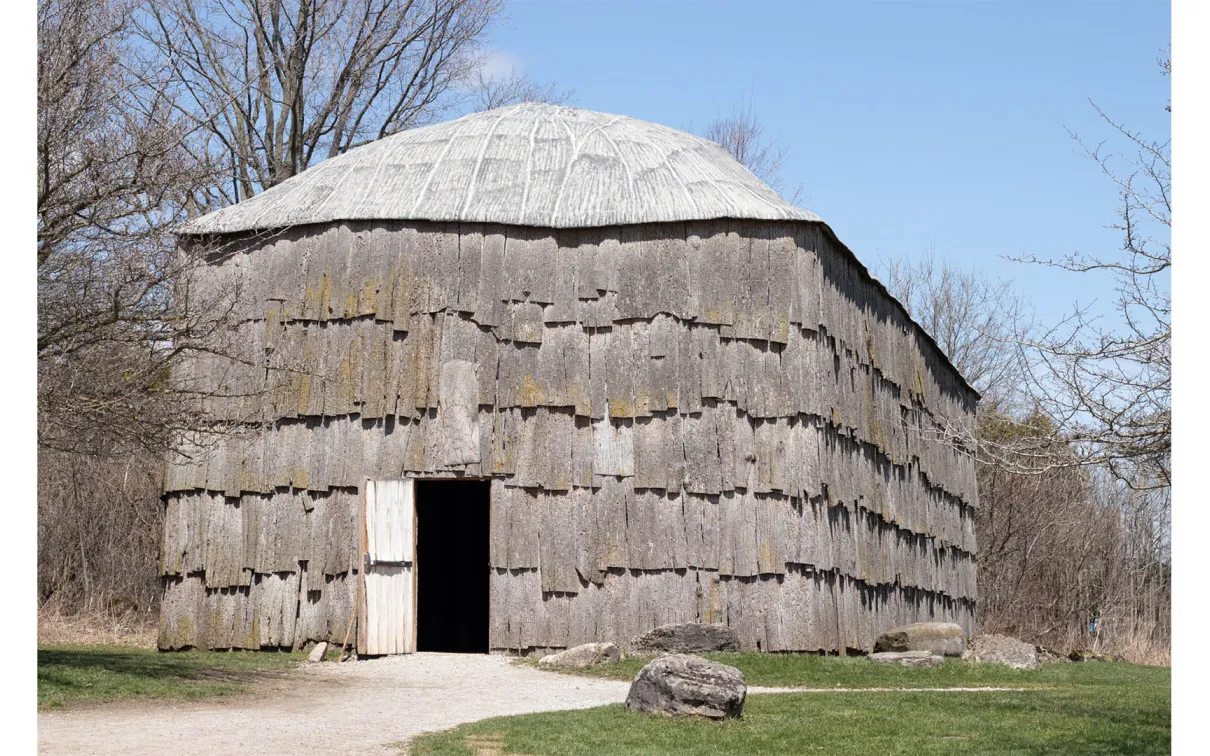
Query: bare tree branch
x=491, y=92
x=279, y=84
x=1109, y=384
x=741, y=134
x=977, y=322
x=114, y=175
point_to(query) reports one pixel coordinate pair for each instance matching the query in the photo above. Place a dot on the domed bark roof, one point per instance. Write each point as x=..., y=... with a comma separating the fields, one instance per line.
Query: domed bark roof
x=530, y=164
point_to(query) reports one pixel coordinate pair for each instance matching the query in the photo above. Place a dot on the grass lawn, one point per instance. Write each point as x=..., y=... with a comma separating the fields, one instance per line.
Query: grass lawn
x=92, y=674
x=1090, y=708
x=816, y=671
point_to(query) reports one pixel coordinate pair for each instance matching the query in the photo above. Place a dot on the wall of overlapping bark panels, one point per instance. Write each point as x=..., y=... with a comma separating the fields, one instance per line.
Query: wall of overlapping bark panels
x=717, y=421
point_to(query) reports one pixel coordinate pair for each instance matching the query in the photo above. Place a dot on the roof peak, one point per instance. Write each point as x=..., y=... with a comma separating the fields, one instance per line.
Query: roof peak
x=530, y=164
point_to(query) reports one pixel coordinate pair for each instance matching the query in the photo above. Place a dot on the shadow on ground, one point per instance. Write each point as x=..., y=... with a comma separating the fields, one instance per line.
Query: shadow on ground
x=83, y=674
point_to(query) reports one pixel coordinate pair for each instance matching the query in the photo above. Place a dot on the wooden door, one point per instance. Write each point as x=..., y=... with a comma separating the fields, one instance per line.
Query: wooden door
x=387, y=615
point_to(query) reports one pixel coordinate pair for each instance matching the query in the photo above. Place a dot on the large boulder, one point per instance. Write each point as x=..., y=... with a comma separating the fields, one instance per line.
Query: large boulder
x=914, y=659
x=683, y=685
x=941, y=638
x=1001, y=649
x=687, y=638
x=583, y=656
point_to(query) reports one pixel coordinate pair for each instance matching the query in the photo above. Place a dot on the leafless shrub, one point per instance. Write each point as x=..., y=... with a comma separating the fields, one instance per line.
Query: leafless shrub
x=99, y=525
x=137, y=629
x=1066, y=562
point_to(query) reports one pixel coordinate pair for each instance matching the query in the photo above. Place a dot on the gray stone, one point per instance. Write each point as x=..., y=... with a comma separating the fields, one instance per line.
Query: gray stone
x=914, y=659
x=317, y=653
x=924, y=661
x=943, y=638
x=1001, y=649
x=583, y=656
x=687, y=638
x=683, y=685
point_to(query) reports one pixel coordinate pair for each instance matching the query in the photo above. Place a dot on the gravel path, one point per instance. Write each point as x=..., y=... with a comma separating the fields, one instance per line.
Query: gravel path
x=351, y=708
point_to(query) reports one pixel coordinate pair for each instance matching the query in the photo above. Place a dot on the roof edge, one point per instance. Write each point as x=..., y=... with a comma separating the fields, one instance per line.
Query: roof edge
x=882, y=287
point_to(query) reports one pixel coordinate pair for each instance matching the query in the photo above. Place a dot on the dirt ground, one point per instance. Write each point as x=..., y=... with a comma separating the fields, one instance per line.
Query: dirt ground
x=358, y=707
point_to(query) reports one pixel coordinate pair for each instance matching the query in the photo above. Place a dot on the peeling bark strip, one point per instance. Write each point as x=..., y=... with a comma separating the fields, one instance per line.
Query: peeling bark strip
x=704, y=421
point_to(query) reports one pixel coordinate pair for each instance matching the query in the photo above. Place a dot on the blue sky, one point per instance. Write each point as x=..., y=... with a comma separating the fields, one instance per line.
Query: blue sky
x=908, y=125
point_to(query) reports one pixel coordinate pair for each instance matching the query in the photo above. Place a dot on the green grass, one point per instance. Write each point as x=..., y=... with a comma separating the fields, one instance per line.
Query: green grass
x=815, y=671
x=69, y=675
x=1069, y=709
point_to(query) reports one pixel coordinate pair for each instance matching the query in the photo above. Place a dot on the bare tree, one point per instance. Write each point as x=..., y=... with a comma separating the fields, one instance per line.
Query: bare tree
x=114, y=171
x=280, y=84
x=150, y=112
x=1062, y=549
x=488, y=92
x=976, y=321
x=115, y=309
x=1108, y=383
x=742, y=134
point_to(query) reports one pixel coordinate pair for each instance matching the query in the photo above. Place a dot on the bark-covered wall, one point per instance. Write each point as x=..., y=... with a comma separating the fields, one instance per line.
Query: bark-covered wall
x=723, y=421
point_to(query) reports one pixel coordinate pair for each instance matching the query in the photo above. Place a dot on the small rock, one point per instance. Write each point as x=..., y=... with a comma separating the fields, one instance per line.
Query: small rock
x=914, y=659
x=687, y=637
x=583, y=656
x=924, y=661
x=1001, y=649
x=943, y=638
x=317, y=653
x=683, y=685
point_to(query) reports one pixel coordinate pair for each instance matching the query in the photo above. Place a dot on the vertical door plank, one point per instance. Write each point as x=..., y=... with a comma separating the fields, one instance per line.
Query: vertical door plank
x=389, y=543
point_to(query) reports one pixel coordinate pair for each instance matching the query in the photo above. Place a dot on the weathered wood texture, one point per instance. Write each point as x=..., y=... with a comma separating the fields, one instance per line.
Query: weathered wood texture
x=712, y=420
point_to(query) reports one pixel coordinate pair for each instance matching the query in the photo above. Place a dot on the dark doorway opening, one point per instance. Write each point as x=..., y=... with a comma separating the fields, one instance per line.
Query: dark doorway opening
x=452, y=565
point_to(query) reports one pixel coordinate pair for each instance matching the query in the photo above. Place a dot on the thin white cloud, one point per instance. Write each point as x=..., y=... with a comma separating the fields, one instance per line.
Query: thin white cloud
x=498, y=64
